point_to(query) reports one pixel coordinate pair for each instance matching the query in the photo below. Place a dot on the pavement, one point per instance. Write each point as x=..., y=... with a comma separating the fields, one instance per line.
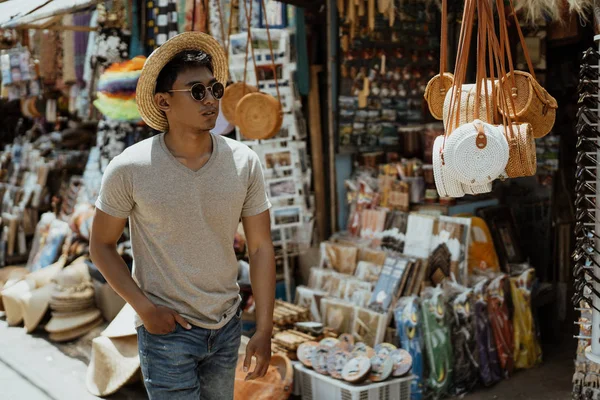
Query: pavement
x=33, y=368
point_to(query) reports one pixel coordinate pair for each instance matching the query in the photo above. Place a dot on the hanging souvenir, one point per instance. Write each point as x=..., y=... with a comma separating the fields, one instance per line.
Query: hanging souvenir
x=410, y=337
x=528, y=352
x=260, y=115
x=489, y=367
x=501, y=324
x=437, y=342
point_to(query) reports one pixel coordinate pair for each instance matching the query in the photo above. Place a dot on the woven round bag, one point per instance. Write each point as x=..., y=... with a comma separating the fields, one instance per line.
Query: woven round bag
x=446, y=186
x=435, y=93
x=232, y=96
x=259, y=116
x=476, y=153
x=467, y=104
x=533, y=104
x=522, y=160
x=477, y=189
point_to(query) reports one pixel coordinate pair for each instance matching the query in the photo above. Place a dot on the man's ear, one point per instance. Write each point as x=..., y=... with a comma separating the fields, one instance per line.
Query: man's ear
x=162, y=100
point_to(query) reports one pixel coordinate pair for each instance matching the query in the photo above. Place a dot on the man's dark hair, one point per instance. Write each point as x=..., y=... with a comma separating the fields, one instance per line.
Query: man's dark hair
x=181, y=62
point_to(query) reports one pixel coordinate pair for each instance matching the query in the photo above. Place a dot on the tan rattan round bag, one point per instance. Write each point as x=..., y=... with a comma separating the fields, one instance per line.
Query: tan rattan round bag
x=259, y=115
x=522, y=160
x=439, y=85
x=232, y=96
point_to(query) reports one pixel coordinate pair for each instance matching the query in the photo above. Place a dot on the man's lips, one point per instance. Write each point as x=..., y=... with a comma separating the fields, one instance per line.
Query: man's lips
x=209, y=113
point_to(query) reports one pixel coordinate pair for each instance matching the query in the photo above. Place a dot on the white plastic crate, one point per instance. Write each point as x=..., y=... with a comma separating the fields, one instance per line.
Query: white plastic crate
x=311, y=385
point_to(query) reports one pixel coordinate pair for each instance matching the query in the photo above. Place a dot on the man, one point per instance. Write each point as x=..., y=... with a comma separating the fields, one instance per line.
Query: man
x=184, y=192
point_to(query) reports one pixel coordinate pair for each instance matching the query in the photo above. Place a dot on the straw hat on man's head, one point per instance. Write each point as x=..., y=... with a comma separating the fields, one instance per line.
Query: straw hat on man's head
x=146, y=86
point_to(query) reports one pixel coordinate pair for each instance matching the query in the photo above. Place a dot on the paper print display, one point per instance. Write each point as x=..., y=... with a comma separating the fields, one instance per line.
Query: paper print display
x=287, y=216
x=388, y=285
x=418, y=235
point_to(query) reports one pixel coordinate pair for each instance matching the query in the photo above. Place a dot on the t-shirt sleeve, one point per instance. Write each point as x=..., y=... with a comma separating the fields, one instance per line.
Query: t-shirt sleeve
x=256, y=200
x=116, y=192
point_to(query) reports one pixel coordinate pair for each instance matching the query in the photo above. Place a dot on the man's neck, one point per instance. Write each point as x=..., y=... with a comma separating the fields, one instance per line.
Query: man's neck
x=188, y=144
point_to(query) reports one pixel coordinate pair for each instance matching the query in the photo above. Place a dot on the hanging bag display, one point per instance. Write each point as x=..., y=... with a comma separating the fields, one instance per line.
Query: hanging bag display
x=260, y=115
x=438, y=86
x=236, y=91
x=531, y=103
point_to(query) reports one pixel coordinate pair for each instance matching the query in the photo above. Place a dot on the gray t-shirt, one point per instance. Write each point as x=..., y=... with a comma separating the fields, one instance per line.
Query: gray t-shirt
x=183, y=223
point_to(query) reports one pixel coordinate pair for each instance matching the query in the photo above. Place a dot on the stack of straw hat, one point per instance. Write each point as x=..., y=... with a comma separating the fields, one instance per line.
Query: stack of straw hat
x=115, y=361
x=72, y=302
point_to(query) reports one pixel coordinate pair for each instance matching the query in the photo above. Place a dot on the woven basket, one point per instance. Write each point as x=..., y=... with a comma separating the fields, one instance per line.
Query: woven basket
x=532, y=102
x=467, y=105
x=232, y=96
x=435, y=93
x=446, y=186
x=259, y=116
x=522, y=160
x=476, y=153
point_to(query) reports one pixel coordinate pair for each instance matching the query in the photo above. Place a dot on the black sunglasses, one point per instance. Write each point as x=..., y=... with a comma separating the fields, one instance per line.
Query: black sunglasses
x=584, y=140
x=583, y=186
x=590, y=54
x=583, y=231
x=584, y=156
x=198, y=91
x=588, y=200
x=578, y=298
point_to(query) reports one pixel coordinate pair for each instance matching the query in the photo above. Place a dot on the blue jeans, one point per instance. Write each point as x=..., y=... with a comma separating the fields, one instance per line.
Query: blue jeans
x=190, y=364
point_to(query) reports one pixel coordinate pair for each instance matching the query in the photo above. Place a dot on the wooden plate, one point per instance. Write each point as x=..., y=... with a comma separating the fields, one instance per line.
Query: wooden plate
x=357, y=369
x=329, y=342
x=402, y=362
x=384, y=349
x=336, y=361
x=346, y=342
x=319, y=360
x=381, y=368
x=306, y=352
x=361, y=349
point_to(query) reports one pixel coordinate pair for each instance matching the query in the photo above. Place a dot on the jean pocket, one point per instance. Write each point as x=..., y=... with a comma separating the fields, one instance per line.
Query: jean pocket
x=238, y=314
x=160, y=334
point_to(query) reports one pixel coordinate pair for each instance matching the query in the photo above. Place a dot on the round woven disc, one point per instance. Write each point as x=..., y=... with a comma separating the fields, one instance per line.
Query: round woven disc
x=144, y=93
x=470, y=164
x=306, y=352
x=357, y=369
x=319, y=360
x=477, y=189
x=336, y=361
x=402, y=362
x=259, y=116
x=435, y=93
x=381, y=368
x=232, y=96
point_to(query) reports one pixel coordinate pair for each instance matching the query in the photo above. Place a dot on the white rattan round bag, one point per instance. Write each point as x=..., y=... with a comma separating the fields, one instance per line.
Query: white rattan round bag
x=477, y=189
x=446, y=185
x=476, y=153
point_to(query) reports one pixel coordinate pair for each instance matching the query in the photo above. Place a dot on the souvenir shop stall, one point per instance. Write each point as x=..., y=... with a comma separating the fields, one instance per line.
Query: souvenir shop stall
x=71, y=114
x=429, y=268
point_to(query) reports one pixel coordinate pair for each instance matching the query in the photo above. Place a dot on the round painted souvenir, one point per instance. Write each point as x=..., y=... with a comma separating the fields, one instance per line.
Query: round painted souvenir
x=336, y=361
x=381, y=368
x=361, y=349
x=319, y=360
x=402, y=362
x=357, y=369
x=384, y=349
x=346, y=342
x=306, y=352
x=329, y=342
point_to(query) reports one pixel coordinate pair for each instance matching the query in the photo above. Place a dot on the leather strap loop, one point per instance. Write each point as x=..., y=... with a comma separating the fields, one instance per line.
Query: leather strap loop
x=264, y=8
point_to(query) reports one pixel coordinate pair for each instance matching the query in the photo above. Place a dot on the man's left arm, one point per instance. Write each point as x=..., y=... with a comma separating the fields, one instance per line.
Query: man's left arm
x=262, y=275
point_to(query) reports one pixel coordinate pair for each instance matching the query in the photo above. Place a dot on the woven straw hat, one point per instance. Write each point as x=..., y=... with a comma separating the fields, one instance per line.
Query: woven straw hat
x=146, y=85
x=34, y=305
x=68, y=322
x=476, y=162
x=12, y=304
x=113, y=364
x=123, y=324
x=75, y=333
